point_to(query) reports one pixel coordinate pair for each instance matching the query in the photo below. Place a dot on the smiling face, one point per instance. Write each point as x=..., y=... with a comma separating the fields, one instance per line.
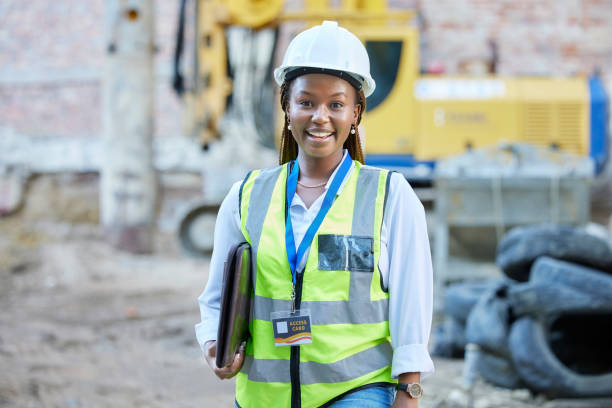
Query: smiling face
x=321, y=110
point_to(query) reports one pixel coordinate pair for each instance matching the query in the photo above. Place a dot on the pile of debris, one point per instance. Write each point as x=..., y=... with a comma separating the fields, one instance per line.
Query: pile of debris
x=545, y=326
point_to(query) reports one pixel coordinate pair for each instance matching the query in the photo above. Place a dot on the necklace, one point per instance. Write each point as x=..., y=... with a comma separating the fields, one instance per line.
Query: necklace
x=315, y=186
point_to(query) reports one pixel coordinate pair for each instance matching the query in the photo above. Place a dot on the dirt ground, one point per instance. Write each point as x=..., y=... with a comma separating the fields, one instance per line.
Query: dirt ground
x=86, y=325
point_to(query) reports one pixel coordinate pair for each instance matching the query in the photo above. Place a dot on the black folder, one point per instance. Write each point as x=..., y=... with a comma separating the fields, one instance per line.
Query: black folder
x=235, y=303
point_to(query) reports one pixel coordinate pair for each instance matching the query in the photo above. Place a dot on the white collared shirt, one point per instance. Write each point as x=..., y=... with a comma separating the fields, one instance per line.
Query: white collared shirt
x=405, y=266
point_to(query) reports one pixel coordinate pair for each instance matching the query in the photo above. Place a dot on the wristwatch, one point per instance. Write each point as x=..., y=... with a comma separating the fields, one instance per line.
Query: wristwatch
x=414, y=389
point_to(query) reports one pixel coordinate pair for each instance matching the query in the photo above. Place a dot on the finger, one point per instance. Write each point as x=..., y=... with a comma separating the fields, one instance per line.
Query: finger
x=225, y=372
x=239, y=357
x=241, y=350
x=221, y=373
x=236, y=365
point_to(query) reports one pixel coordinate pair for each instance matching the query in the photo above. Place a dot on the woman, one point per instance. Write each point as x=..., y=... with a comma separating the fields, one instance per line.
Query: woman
x=343, y=282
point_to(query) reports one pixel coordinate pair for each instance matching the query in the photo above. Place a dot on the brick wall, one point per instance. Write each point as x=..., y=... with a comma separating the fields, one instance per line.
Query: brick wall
x=544, y=37
x=52, y=52
x=51, y=65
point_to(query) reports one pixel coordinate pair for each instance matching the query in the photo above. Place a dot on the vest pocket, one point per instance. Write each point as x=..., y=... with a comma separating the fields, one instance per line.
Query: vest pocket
x=346, y=253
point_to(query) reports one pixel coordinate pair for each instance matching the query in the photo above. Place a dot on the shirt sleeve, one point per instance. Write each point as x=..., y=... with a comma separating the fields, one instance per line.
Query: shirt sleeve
x=227, y=233
x=410, y=280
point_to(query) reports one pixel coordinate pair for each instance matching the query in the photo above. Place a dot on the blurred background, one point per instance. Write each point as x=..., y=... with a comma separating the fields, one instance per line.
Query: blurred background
x=123, y=123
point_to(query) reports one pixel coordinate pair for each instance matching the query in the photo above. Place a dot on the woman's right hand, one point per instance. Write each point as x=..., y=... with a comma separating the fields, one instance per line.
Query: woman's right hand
x=225, y=372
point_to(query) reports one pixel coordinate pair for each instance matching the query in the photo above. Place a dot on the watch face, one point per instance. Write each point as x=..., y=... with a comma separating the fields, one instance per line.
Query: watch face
x=415, y=390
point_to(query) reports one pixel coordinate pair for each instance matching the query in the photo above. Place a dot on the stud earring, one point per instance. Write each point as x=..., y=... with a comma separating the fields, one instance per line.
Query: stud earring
x=289, y=127
x=352, y=129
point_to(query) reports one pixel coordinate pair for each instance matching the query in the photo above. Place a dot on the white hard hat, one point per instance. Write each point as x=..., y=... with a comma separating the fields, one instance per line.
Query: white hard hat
x=327, y=47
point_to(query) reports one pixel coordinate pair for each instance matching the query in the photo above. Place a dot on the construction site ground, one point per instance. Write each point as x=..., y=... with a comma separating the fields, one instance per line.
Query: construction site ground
x=86, y=325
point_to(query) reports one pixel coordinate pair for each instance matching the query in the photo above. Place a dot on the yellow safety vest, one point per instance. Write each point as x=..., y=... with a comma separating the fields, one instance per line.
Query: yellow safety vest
x=341, y=286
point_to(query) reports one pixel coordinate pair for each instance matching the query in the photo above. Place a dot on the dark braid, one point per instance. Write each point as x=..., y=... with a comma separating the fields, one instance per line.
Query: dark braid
x=288, y=146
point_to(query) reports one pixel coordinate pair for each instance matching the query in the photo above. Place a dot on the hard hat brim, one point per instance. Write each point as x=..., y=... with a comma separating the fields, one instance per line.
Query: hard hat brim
x=367, y=84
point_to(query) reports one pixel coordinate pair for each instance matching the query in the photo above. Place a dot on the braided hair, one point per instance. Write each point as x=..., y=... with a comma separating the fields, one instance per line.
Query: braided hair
x=288, y=145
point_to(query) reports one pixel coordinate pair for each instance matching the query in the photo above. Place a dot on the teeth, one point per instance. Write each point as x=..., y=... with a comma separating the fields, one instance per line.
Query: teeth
x=320, y=134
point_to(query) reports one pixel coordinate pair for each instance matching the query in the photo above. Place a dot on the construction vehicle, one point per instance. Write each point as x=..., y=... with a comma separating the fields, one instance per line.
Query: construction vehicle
x=412, y=120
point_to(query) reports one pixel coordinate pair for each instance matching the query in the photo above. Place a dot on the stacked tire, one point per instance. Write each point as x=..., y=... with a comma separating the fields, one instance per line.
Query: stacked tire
x=547, y=327
x=478, y=317
x=459, y=300
x=560, y=343
x=488, y=327
x=522, y=246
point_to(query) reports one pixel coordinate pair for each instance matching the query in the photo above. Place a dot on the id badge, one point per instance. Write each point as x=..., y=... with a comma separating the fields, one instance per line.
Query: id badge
x=291, y=328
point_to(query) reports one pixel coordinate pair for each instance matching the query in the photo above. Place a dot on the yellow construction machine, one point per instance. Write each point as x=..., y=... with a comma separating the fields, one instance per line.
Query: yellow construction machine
x=411, y=121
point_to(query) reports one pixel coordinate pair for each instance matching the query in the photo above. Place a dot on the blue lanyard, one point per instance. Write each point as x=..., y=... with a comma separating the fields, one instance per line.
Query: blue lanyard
x=296, y=256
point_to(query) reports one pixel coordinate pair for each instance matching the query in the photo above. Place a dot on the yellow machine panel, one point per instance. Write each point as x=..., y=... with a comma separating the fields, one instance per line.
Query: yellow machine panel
x=555, y=112
x=460, y=113
x=456, y=114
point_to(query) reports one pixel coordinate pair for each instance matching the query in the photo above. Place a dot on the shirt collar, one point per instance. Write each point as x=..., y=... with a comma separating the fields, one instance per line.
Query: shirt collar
x=297, y=200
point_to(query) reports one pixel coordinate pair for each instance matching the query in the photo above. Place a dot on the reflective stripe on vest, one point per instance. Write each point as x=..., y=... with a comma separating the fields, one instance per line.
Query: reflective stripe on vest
x=349, y=309
x=328, y=311
x=311, y=372
x=262, y=183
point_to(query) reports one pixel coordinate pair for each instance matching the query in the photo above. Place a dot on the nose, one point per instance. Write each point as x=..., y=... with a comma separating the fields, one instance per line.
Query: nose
x=321, y=114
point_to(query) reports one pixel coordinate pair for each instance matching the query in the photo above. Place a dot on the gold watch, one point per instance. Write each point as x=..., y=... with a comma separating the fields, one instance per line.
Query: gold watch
x=414, y=389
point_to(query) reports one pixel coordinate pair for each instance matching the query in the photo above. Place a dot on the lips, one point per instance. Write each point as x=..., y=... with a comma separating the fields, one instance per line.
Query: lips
x=319, y=134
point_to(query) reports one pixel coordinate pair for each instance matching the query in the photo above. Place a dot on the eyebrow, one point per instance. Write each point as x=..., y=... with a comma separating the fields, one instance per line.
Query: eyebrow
x=336, y=94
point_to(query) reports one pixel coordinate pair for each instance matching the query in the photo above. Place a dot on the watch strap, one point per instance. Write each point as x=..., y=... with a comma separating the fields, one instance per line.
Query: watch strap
x=407, y=388
x=401, y=387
